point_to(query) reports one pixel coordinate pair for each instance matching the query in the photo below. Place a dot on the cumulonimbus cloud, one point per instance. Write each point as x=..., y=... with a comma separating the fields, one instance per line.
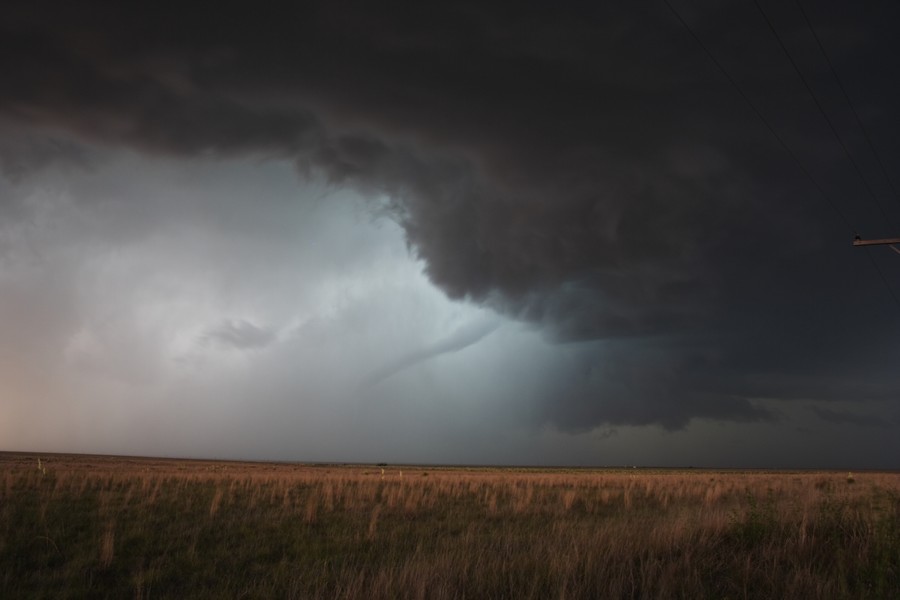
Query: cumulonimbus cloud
x=590, y=173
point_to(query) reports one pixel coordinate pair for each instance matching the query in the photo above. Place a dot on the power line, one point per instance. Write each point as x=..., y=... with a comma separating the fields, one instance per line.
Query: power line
x=761, y=117
x=840, y=85
x=883, y=278
x=837, y=137
x=778, y=137
x=824, y=114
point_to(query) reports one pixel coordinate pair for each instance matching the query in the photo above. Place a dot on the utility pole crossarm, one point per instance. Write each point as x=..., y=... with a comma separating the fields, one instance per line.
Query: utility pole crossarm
x=858, y=241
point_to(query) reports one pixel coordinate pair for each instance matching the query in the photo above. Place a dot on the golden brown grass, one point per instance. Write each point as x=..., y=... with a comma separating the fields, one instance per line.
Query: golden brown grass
x=148, y=528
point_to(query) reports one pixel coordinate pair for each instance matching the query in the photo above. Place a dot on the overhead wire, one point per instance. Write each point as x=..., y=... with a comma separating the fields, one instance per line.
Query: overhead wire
x=881, y=275
x=760, y=116
x=822, y=111
x=781, y=140
x=837, y=136
x=841, y=87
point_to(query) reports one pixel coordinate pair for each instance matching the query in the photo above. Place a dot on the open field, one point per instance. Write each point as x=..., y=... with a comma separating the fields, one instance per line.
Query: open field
x=107, y=527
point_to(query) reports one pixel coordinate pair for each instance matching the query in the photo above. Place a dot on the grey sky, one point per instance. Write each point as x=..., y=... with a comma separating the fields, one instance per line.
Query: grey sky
x=452, y=234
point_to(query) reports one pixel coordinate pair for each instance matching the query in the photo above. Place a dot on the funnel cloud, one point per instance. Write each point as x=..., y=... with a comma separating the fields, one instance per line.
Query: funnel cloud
x=460, y=339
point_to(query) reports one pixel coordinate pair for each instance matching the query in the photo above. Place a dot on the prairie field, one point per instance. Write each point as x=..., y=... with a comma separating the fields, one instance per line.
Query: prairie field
x=121, y=527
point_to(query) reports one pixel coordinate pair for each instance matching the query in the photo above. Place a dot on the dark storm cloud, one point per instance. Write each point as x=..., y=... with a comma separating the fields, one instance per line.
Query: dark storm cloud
x=582, y=168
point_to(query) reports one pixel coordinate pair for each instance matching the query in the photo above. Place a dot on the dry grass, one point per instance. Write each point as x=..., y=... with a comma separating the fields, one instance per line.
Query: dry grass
x=123, y=527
